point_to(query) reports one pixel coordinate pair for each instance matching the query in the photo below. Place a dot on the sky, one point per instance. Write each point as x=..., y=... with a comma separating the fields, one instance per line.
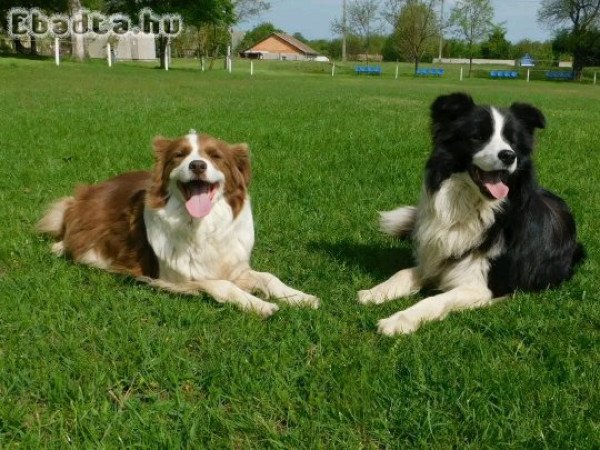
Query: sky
x=313, y=18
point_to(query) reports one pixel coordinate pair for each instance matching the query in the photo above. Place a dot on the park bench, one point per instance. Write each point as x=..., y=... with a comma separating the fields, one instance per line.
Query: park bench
x=423, y=71
x=504, y=74
x=559, y=75
x=368, y=70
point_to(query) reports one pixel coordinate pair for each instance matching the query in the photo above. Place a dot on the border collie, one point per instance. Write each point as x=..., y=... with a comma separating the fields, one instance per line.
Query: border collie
x=483, y=228
x=186, y=226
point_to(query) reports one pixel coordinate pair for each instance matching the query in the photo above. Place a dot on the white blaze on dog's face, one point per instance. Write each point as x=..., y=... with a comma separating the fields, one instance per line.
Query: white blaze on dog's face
x=199, y=171
x=495, y=161
x=196, y=180
x=497, y=154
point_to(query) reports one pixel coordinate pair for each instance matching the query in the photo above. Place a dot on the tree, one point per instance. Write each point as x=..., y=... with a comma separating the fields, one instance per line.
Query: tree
x=300, y=37
x=472, y=21
x=390, y=11
x=584, y=46
x=49, y=6
x=217, y=14
x=363, y=21
x=496, y=46
x=246, y=9
x=257, y=34
x=77, y=42
x=582, y=17
x=416, y=30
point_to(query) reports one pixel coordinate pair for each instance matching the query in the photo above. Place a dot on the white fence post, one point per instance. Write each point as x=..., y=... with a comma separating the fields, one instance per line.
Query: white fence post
x=251, y=67
x=167, y=55
x=108, y=54
x=57, y=51
x=396, y=71
x=461, y=73
x=333, y=70
x=228, y=63
x=528, y=75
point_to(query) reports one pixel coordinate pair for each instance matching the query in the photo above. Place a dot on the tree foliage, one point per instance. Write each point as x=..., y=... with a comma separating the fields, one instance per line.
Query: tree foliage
x=417, y=30
x=246, y=9
x=496, y=46
x=581, y=37
x=364, y=21
x=472, y=21
x=218, y=14
x=257, y=34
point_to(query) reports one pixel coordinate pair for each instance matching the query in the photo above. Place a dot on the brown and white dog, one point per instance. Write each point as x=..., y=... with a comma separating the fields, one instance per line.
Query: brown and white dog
x=185, y=227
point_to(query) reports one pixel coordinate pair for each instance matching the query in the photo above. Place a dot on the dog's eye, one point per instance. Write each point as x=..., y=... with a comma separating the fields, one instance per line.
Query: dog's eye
x=179, y=154
x=215, y=154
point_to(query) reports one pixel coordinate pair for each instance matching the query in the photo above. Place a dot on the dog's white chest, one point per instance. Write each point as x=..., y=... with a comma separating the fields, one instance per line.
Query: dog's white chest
x=216, y=247
x=450, y=223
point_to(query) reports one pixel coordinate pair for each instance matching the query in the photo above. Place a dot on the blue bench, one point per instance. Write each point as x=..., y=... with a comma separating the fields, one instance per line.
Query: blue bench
x=504, y=74
x=559, y=75
x=429, y=72
x=368, y=70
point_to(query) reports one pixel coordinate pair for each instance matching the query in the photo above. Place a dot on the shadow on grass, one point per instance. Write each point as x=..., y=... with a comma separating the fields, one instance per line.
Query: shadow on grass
x=375, y=260
x=25, y=56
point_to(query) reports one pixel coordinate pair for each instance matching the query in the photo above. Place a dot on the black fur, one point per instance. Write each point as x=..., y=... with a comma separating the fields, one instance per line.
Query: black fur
x=540, y=247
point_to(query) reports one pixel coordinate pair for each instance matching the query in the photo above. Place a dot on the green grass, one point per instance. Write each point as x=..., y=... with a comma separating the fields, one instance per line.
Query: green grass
x=94, y=360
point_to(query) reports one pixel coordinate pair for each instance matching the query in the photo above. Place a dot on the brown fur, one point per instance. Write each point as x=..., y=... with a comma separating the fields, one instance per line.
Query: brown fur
x=232, y=160
x=108, y=218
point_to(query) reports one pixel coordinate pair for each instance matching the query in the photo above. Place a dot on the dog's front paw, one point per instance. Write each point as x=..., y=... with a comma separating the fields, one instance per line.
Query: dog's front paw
x=265, y=309
x=371, y=297
x=399, y=323
x=302, y=299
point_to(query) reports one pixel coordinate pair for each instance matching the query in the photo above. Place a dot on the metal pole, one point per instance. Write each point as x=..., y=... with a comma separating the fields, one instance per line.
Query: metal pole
x=251, y=68
x=397, y=71
x=333, y=70
x=461, y=73
x=528, y=75
x=108, y=54
x=441, y=31
x=344, y=27
x=595, y=77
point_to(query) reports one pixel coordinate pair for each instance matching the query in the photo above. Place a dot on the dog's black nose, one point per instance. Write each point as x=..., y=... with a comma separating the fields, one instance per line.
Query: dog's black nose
x=198, y=166
x=507, y=156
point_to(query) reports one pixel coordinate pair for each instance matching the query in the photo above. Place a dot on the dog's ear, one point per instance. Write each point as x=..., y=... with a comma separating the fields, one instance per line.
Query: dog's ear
x=529, y=115
x=241, y=156
x=160, y=145
x=447, y=108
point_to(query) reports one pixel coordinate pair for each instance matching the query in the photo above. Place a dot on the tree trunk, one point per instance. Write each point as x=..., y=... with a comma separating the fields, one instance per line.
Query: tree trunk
x=470, y=58
x=416, y=64
x=33, y=46
x=19, y=47
x=577, y=67
x=77, y=43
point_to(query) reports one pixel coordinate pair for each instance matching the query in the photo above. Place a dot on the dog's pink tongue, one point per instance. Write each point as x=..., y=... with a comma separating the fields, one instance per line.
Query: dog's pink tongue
x=498, y=189
x=199, y=204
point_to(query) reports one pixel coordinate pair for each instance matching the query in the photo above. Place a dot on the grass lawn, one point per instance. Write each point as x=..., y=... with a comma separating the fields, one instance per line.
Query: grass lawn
x=95, y=360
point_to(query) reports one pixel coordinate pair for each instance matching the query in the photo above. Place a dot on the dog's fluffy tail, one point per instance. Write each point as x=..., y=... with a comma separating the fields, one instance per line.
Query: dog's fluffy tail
x=54, y=219
x=398, y=222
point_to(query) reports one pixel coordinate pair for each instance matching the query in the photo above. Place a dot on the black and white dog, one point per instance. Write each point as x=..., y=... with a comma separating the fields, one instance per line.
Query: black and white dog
x=483, y=227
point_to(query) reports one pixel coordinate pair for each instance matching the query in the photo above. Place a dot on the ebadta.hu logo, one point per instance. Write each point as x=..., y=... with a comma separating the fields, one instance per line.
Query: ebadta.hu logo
x=34, y=22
